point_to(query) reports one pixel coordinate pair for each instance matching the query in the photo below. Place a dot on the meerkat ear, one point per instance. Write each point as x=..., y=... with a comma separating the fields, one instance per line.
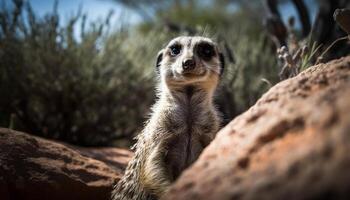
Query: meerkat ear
x=159, y=59
x=222, y=63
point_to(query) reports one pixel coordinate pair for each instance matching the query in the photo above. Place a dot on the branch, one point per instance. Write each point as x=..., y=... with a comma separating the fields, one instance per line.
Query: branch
x=303, y=16
x=274, y=24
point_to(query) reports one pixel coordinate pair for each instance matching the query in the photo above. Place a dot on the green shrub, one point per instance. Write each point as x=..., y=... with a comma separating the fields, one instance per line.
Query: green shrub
x=58, y=87
x=253, y=73
x=97, y=89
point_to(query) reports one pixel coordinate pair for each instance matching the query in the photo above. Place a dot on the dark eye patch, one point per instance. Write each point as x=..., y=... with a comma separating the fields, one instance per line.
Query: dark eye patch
x=175, y=49
x=205, y=50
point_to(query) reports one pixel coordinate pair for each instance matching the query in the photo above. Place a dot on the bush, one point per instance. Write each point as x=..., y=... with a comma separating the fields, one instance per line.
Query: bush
x=81, y=92
x=97, y=89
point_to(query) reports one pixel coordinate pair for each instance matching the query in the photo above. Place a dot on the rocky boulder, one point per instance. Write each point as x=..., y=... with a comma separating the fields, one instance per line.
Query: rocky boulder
x=32, y=168
x=294, y=143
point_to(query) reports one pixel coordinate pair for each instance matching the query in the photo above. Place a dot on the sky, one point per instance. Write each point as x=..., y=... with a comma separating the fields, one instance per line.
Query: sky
x=99, y=9
x=288, y=10
x=95, y=9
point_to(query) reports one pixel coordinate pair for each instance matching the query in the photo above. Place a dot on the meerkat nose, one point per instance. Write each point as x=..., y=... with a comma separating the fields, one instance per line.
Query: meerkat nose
x=188, y=64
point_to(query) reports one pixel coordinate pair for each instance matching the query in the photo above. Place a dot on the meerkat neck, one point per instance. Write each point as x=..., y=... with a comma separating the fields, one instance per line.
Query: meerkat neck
x=191, y=95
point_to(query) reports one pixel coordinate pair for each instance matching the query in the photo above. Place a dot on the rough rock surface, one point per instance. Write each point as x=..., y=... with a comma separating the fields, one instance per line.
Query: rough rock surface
x=35, y=168
x=294, y=143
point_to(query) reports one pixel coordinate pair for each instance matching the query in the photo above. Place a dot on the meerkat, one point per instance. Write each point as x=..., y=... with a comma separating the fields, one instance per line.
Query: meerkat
x=183, y=120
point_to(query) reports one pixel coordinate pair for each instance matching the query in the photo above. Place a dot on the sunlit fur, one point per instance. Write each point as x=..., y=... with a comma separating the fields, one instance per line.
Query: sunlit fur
x=183, y=122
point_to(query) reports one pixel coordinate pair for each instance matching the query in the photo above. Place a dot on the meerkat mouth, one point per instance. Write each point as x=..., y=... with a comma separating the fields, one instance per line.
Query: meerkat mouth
x=194, y=75
x=189, y=78
x=191, y=74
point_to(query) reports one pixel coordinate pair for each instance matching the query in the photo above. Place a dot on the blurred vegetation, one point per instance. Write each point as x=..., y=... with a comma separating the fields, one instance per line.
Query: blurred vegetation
x=323, y=41
x=97, y=89
x=86, y=91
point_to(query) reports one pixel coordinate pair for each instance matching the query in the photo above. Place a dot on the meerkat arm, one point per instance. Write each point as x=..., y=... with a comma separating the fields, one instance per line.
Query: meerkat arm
x=155, y=176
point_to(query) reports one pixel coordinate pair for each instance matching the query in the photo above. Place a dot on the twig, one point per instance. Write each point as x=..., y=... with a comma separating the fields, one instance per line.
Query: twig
x=330, y=46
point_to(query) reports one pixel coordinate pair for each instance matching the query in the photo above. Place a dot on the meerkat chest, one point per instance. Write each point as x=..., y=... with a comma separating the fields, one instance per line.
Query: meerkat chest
x=190, y=129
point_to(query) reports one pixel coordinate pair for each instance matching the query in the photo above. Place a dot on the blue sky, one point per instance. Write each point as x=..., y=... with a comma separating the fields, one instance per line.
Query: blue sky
x=288, y=10
x=94, y=8
x=98, y=9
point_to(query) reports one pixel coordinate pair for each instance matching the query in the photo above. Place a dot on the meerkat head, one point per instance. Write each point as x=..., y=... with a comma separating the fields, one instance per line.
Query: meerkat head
x=190, y=61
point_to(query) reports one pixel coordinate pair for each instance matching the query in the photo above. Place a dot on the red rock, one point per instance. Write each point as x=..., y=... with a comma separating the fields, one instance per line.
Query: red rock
x=294, y=143
x=35, y=168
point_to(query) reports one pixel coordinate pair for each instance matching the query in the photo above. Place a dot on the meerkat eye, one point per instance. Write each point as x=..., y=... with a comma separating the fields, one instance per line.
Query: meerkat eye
x=175, y=49
x=206, y=51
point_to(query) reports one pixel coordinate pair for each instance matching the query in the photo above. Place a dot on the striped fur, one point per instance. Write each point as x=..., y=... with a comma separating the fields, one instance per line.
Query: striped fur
x=183, y=122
